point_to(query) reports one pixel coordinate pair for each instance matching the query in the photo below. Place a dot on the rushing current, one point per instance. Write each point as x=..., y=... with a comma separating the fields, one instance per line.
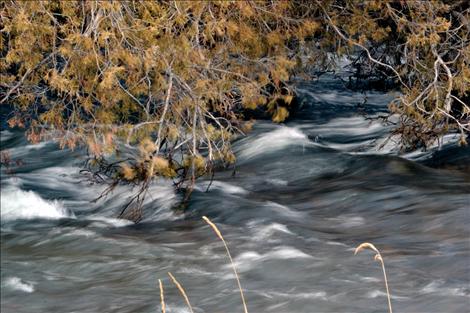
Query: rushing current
x=303, y=195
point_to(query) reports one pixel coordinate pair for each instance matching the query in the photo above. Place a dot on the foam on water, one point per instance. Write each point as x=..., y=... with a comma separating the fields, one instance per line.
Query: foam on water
x=277, y=181
x=80, y=233
x=267, y=231
x=322, y=295
x=250, y=259
x=350, y=126
x=30, y=148
x=437, y=287
x=101, y=221
x=378, y=293
x=19, y=204
x=390, y=144
x=272, y=141
x=283, y=210
x=5, y=135
x=15, y=283
x=348, y=221
x=223, y=186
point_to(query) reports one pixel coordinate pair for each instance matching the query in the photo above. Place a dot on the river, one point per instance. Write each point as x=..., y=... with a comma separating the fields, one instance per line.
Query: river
x=303, y=195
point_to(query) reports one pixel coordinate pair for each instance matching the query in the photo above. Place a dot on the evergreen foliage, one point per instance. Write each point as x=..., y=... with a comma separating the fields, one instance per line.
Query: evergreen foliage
x=172, y=79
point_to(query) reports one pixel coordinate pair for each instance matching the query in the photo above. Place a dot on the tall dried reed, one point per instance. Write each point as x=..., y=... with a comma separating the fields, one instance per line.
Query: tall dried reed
x=181, y=289
x=377, y=257
x=162, y=297
x=219, y=234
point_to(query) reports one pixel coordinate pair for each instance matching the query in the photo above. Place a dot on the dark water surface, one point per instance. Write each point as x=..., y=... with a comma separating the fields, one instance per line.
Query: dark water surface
x=303, y=196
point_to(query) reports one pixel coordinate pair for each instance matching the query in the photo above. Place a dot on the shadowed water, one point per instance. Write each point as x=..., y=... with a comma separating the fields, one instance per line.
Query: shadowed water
x=303, y=195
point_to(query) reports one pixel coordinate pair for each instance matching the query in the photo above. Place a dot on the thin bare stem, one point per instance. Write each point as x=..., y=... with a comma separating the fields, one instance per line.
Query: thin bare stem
x=21, y=81
x=165, y=109
x=357, y=44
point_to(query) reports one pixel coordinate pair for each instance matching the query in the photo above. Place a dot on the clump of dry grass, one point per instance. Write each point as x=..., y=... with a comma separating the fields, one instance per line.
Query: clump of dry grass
x=362, y=246
x=377, y=257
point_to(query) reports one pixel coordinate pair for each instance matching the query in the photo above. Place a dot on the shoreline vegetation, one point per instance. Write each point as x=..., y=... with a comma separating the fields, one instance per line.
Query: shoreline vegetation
x=159, y=89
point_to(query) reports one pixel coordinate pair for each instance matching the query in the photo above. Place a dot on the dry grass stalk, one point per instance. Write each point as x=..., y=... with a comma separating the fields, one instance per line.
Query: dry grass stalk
x=181, y=289
x=377, y=257
x=162, y=297
x=219, y=234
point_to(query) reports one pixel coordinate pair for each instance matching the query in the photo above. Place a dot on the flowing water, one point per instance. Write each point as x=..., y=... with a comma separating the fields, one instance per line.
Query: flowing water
x=302, y=197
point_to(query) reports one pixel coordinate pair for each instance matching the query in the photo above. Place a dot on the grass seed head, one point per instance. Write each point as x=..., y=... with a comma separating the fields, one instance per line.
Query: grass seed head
x=366, y=245
x=162, y=297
